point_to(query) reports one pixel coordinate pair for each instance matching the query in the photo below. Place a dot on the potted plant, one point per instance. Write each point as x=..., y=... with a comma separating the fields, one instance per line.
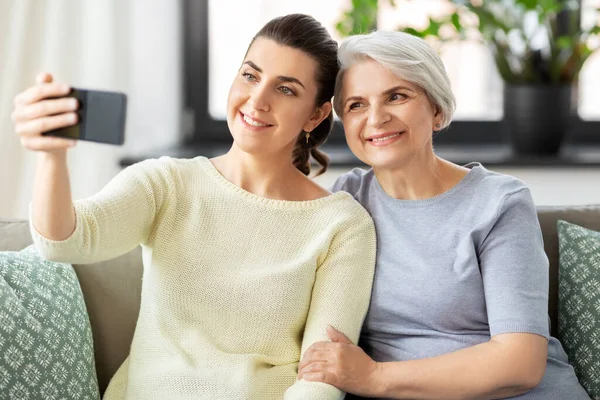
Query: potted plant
x=539, y=48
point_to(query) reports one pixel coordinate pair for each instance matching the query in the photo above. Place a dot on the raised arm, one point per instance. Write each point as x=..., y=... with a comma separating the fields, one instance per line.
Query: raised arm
x=103, y=226
x=40, y=109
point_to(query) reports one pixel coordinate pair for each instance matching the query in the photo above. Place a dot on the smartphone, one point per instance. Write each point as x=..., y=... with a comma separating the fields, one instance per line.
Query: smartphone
x=101, y=117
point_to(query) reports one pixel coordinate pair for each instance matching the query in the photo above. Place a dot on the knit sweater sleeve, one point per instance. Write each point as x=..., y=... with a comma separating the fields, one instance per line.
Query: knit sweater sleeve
x=340, y=297
x=115, y=220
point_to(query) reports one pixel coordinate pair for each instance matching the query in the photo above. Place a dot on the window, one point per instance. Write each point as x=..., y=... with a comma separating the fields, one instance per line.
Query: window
x=217, y=35
x=589, y=81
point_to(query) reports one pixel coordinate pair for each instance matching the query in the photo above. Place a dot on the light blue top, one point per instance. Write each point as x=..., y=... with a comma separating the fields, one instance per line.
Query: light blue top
x=456, y=269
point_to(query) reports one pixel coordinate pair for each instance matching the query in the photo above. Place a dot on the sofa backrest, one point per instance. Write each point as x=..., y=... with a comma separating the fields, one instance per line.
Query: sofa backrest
x=112, y=292
x=112, y=288
x=586, y=216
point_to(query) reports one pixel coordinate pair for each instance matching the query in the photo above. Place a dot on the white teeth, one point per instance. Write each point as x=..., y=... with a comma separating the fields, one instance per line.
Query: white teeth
x=252, y=122
x=386, y=138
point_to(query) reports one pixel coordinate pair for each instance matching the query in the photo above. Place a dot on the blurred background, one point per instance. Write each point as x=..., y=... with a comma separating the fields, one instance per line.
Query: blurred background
x=175, y=59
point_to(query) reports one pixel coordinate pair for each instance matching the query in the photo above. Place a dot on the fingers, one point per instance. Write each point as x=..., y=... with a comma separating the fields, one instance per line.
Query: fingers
x=46, y=143
x=319, y=366
x=40, y=92
x=36, y=126
x=324, y=376
x=312, y=356
x=337, y=336
x=44, y=108
x=43, y=77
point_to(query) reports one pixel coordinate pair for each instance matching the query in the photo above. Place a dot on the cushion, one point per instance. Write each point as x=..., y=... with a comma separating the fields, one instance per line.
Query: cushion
x=46, y=346
x=579, y=302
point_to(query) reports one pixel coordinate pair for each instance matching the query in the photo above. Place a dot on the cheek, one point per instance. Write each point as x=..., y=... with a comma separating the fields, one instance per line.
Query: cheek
x=352, y=128
x=234, y=96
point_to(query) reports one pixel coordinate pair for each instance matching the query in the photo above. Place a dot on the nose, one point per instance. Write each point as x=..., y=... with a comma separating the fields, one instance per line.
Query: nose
x=378, y=116
x=259, y=98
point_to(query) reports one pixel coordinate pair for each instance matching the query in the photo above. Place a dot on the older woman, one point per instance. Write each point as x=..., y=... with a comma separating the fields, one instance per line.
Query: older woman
x=459, y=303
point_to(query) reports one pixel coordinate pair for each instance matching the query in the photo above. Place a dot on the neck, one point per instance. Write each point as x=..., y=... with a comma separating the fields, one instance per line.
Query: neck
x=267, y=175
x=421, y=177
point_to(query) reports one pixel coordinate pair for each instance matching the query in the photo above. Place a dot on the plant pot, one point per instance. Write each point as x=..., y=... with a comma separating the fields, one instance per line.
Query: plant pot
x=537, y=117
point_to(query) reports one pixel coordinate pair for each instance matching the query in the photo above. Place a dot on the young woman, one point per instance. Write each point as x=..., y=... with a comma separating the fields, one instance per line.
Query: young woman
x=460, y=300
x=246, y=260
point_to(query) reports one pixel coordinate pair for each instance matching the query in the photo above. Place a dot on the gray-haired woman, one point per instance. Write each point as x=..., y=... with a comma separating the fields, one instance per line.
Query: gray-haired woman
x=459, y=304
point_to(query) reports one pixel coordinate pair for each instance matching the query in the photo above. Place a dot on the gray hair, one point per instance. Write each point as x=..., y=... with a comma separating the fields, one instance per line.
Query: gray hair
x=408, y=57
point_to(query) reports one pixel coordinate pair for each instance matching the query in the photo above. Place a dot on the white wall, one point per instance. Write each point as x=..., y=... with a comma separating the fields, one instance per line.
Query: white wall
x=126, y=45
x=549, y=186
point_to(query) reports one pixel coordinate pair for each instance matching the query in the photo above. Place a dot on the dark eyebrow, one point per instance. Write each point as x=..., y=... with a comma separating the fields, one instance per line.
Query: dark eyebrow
x=281, y=78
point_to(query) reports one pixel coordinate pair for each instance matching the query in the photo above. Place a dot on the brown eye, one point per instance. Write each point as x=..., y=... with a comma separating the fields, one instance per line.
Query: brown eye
x=354, y=106
x=397, y=96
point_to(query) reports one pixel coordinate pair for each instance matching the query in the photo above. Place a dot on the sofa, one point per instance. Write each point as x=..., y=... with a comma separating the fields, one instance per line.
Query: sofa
x=112, y=288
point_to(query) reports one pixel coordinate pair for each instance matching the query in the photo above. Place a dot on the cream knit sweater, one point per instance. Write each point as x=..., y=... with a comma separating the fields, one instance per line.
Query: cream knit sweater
x=235, y=286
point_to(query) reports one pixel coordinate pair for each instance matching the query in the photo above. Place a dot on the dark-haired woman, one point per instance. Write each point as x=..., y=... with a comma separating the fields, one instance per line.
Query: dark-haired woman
x=246, y=260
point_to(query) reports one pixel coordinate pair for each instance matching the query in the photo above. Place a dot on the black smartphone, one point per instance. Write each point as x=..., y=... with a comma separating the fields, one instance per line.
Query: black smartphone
x=101, y=117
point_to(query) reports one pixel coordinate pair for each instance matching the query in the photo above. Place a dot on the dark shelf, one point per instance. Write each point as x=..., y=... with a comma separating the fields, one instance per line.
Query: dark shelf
x=340, y=156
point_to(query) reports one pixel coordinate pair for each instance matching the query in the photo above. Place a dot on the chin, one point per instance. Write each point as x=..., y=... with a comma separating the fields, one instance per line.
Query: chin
x=248, y=146
x=388, y=160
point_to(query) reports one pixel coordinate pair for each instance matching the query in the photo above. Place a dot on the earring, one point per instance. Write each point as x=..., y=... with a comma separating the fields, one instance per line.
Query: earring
x=437, y=125
x=307, y=136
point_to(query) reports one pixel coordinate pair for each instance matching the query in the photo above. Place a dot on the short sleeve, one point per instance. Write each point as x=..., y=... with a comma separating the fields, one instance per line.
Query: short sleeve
x=514, y=269
x=340, y=184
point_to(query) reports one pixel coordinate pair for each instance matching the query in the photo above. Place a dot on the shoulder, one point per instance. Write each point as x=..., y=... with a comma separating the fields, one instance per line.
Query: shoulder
x=496, y=187
x=162, y=172
x=499, y=196
x=354, y=181
x=342, y=212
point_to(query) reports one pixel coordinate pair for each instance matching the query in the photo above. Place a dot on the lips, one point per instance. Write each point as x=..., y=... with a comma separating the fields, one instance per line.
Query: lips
x=254, y=122
x=383, y=137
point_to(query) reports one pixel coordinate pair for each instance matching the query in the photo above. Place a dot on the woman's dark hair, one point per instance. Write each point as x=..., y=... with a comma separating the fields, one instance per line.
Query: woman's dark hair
x=305, y=33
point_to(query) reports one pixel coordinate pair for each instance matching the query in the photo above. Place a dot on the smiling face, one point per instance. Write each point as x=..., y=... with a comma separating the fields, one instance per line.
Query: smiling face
x=388, y=121
x=273, y=98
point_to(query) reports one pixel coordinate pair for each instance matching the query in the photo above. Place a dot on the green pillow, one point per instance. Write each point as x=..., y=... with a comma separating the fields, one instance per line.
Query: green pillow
x=579, y=302
x=46, y=345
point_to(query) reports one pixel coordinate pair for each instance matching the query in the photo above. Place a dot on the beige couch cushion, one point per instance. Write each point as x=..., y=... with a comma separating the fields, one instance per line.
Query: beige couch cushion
x=112, y=295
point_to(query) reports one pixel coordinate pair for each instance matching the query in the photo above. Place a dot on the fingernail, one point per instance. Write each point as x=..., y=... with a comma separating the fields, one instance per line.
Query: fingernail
x=73, y=103
x=65, y=87
x=72, y=117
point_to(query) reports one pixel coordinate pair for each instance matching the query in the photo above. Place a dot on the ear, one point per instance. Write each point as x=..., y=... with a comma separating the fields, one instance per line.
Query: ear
x=438, y=117
x=317, y=117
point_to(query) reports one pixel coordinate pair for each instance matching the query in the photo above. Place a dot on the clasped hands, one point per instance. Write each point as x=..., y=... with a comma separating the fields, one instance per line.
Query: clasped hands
x=342, y=364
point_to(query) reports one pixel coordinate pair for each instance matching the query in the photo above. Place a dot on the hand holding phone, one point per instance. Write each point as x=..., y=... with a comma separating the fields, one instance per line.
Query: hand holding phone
x=50, y=116
x=101, y=117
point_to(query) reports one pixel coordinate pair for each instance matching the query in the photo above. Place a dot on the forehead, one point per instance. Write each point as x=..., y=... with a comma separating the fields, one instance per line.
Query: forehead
x=280, y=60
x=369, y=77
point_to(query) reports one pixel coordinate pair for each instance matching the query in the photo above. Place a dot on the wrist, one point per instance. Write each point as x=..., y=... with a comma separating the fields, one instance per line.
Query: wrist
x=53, y=157
x=379, y=387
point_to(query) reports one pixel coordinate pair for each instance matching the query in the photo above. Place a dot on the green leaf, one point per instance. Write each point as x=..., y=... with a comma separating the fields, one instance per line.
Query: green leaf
x=564, y=42
x=595, y=30
x=528, y=4
x=414, y=32
x=455, y=18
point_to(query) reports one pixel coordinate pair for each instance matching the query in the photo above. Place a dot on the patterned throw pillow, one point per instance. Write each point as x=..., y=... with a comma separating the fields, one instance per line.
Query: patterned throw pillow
x=46, y=346
x=579, y=302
